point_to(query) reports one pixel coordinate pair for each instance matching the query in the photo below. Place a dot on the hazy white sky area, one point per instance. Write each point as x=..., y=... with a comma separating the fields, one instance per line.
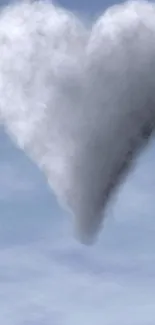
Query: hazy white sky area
x=46, y=276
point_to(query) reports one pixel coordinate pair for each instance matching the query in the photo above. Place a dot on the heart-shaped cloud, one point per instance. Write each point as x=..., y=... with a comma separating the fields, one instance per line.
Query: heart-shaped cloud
x=79, y=100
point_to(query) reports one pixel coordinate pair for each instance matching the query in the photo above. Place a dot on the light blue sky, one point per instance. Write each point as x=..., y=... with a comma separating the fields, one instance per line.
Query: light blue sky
x=46, y=277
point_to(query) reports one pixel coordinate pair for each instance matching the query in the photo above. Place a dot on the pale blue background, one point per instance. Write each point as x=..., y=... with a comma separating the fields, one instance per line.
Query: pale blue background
x=46, y=277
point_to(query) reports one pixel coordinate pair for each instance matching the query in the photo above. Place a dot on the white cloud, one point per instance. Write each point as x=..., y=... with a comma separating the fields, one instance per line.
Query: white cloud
x=79, y=100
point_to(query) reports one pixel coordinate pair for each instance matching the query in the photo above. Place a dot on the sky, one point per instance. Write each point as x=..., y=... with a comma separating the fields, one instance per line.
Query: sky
x=46, y=276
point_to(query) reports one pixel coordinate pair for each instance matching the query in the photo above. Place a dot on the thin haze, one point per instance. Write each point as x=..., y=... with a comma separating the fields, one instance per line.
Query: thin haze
x=78, y=99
